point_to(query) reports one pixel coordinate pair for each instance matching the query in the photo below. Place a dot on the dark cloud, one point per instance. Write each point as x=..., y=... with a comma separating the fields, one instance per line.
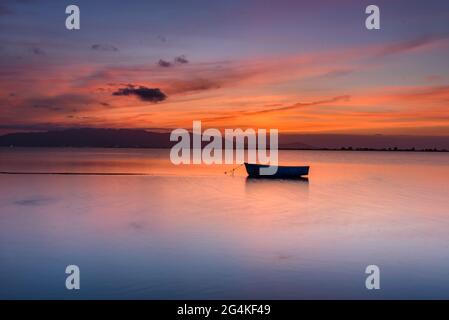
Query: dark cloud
x=143, y=93
x=162, y=38
x=181, y=59
x=38, y=201
x=47, y=107
x=37, y=51
x=178, y=60
x=62, y=103
x=164, y=64
x=104, y=47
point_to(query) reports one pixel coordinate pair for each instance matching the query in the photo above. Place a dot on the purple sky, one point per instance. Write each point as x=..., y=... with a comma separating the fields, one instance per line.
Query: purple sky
x=300, y=66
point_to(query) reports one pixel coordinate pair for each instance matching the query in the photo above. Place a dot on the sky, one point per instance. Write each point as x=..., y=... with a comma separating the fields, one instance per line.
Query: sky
x=297, y=66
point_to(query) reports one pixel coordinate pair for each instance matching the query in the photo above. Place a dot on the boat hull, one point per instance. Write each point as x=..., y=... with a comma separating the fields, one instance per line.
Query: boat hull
x=289, y=172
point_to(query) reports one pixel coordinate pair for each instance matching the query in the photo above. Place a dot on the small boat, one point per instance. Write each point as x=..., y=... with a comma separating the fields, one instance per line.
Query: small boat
x=286, y=172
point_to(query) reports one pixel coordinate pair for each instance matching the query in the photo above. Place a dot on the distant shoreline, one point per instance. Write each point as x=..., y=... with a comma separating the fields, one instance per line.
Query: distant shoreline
x=349, y=149
x=142, y=139
x=370, y=149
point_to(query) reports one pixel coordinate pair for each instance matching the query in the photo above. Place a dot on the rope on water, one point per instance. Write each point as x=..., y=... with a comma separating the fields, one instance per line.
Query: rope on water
x=232, y=170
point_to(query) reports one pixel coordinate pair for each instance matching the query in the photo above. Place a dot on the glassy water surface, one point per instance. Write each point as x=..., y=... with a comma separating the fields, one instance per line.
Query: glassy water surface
x=192, y=232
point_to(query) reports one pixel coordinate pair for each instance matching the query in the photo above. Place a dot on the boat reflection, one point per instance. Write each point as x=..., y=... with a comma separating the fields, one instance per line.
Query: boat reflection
x=269, y=188
x=303, y=180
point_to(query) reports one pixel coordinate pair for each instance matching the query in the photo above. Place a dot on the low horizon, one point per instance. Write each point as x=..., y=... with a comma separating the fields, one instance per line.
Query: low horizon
x=168, y=130
x=125, y=137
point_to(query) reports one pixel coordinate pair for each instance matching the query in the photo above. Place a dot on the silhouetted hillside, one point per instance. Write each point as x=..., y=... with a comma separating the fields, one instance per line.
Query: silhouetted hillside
x=88, y=138
x=138, y=138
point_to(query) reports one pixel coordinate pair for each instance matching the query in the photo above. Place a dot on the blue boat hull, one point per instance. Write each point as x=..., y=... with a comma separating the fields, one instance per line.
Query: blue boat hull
x=286, y=172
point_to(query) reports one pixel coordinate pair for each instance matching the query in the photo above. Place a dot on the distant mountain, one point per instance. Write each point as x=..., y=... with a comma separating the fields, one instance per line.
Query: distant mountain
x=88, y=137
x=138, y=138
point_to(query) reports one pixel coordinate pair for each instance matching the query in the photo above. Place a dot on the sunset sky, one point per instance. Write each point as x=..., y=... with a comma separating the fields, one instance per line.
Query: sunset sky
x=299, y=66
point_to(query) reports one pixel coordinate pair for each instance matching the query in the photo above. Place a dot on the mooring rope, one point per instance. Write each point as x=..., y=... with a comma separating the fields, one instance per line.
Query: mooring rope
x=232, y=170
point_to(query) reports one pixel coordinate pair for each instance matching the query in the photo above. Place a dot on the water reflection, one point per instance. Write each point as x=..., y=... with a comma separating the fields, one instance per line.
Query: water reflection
x=193, y=232
x=269, y=189
x=304, y=180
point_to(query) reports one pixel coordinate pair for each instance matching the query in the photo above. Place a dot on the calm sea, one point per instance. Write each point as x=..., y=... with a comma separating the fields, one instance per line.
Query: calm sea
x=192, y=232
